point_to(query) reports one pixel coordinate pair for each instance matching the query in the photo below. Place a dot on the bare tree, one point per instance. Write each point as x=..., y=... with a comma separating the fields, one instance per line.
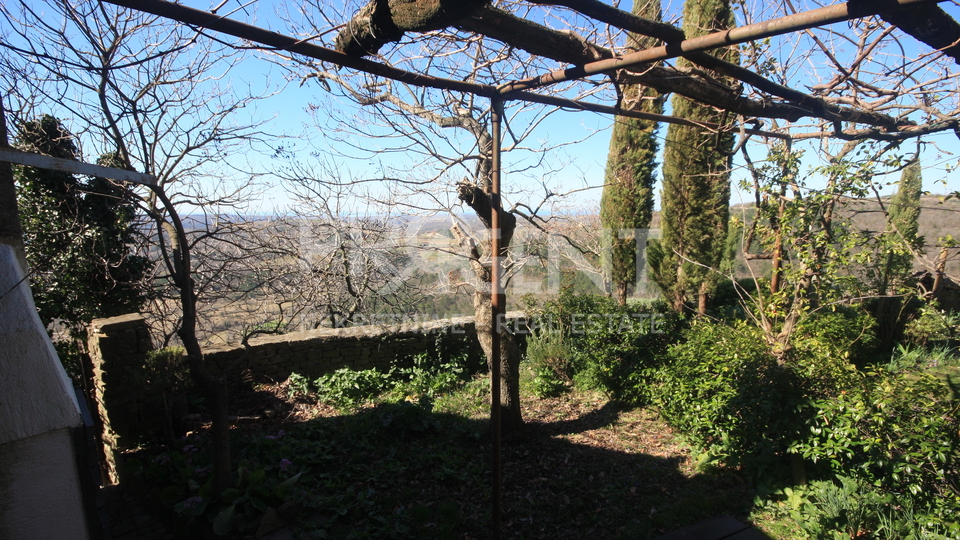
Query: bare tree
x=348, y=261
x=446, y=140
x=158, y=95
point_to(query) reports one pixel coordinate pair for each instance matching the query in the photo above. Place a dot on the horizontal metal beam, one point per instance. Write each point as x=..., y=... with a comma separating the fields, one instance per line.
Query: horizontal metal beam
x=255, y=34
x=605, y=109
x=75, y=167
x=741, y=34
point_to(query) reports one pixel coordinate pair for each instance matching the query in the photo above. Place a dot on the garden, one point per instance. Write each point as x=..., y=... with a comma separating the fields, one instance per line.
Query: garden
x=631, y=432
x=798, y=369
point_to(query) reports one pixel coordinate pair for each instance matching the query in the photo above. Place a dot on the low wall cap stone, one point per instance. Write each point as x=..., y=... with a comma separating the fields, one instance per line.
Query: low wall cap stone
x=115, y=324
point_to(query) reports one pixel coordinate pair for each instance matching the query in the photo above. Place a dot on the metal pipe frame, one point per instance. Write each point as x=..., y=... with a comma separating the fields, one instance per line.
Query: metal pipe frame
x=741, y=34
x=211, y=21
x=41, y=161
x=497, y=300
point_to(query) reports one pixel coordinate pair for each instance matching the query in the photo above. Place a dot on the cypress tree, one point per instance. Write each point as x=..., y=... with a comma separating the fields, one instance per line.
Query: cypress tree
x=627, y=200
x=904, y=224
x=695, y=204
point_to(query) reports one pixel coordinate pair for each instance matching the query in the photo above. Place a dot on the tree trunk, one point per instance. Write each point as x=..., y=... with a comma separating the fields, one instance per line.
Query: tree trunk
x=213, y=387
x=511, y=416
x=511, y=419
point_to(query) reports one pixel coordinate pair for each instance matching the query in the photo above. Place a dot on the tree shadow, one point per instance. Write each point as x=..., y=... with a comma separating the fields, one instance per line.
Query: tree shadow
x=595, y=419
x=399, y=470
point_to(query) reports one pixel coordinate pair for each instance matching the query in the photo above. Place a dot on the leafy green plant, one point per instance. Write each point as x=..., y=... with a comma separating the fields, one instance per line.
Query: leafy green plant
x=550, y=360
x=265, y=479
x=899, y=431
x=430, y=375
x=724, y=390
x=827, y=347
x=599, y=345
x=297, y=386
x=850, y=508
x=426, y=375
x=346, y=388
x=932, y=324
x=905, y=358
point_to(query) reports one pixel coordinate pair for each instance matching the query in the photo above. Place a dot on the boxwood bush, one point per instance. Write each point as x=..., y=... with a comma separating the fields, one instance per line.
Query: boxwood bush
x=724, y=390
x=606, y=346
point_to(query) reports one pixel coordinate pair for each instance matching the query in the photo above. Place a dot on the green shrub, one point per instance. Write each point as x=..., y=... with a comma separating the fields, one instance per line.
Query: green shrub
x=424, y=375
x=607, y=347
x=297, y=386
x=346, y=388
x=551, y=362
x=932, y=324
x=898, y=431
x=431, y=375
x=828, y=347
x=723, y=389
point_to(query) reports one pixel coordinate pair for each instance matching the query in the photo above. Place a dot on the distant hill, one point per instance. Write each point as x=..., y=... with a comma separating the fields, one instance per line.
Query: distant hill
x=937, y=218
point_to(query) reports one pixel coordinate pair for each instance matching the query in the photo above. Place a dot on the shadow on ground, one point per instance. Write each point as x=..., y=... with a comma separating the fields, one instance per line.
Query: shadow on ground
x=400, y=471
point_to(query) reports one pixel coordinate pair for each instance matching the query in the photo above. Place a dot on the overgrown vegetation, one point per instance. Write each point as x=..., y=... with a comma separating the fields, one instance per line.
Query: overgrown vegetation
x=840, y=441
x=877, y=435
x=419, y=378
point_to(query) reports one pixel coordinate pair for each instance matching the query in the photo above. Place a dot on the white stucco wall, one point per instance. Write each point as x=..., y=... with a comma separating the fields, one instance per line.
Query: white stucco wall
x=35, y=393
x=39, y=488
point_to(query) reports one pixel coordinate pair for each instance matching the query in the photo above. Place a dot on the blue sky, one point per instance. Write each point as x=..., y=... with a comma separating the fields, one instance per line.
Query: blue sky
x=586, y=159
x=573, y=167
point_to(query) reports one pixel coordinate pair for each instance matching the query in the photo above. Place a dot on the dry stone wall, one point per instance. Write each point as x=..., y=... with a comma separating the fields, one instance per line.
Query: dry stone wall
x=316, y=352
x=118, y=347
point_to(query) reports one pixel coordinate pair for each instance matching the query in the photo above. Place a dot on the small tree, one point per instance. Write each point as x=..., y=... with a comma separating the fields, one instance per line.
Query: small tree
x=627, y=200
x=903, y=225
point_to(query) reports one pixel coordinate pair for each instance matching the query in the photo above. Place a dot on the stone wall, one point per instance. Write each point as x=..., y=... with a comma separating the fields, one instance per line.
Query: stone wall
x=118, y=347
x=316, y=352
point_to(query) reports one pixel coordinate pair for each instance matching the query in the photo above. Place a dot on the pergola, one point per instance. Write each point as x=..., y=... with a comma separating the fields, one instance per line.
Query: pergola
x=384, y=21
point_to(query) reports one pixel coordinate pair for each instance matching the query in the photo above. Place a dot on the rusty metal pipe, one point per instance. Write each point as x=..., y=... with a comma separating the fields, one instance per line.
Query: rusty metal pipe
x=497, y=299
x=741, y=34
x=570, y=104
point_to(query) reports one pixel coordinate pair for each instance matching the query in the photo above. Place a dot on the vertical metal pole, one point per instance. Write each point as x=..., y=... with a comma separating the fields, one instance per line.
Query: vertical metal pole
x=496, y=304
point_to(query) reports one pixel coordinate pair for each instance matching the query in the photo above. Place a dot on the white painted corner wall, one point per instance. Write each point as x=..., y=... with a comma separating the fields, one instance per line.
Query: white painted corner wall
x=40, y=493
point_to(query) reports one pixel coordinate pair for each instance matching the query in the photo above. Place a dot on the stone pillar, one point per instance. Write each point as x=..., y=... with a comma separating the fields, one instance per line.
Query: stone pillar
x=118, y=347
